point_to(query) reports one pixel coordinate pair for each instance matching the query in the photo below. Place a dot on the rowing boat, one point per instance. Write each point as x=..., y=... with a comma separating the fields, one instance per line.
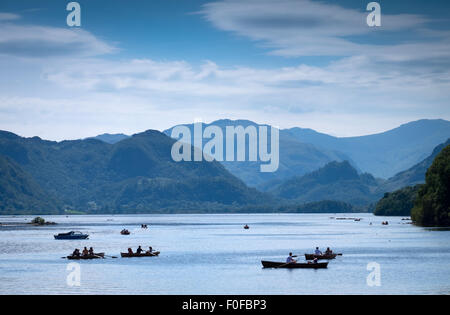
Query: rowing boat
x=139, y=255
x=95, y=256
x=319, y=257
x=272, y=264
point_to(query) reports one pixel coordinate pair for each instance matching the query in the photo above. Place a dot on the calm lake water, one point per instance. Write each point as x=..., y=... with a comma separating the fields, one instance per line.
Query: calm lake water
x=213, y=254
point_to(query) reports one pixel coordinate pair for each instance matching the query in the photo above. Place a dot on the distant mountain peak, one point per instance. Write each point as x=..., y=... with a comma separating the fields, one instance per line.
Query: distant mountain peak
x=337, y=181
x=335, y=171
x=111, y=138
x=8, y=135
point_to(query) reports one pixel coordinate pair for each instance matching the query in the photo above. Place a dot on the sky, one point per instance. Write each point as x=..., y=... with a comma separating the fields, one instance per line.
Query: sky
x=135, y=65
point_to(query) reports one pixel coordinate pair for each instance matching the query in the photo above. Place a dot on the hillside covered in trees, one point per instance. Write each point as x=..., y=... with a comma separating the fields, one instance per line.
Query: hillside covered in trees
x=338, y=181
x=397, y=203
x=135, y=175
x=432, y=206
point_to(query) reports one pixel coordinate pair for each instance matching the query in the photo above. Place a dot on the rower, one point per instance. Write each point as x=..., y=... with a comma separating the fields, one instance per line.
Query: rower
x=85, y=251
x=130, y=251
x=91, y=251
x=139, y=250
x=317, y=251
x=328, y=251
x=150, y=250
x=76, y=253
x=290, y=259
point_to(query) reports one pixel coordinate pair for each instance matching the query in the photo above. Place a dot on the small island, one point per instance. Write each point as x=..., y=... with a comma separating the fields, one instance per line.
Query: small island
x=38, y=221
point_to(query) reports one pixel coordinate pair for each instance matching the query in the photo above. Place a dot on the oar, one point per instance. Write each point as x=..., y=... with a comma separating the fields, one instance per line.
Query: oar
x=98, y=256
x=110, y=256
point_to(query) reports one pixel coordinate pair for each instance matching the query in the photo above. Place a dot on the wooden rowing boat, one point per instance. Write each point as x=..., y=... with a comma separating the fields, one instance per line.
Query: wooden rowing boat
x=272, y=264
x=139, y=255
x=95, y=256
x=319, y=257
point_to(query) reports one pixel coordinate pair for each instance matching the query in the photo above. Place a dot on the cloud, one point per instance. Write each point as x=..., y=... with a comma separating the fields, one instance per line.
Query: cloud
x=44, y=41
x=210, y=79
x=369, y=88
x=310, y=28
x=8, y=16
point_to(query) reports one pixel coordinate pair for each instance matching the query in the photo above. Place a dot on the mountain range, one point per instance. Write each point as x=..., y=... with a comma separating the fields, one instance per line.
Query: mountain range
x=341, y=181
x=304, y=150
x=295, y=157
x=136, y=174
x=388, y=153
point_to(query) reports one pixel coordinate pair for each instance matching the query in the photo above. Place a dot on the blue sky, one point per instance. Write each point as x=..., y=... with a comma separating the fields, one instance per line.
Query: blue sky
x=137, y=65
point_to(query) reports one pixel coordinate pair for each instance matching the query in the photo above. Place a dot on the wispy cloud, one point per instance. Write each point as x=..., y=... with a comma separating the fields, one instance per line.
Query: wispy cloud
x=210, y=79
x=4, y=16
x=369, y=88
x=350, y=96
x=311, y=28
x=44, y=41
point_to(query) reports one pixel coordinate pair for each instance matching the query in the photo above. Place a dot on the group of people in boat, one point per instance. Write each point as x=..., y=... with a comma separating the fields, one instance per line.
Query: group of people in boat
x=86, y=252
x=125, y=232
x=290, y=259
x=318, y=252
x=144, y=226
x=139, y=250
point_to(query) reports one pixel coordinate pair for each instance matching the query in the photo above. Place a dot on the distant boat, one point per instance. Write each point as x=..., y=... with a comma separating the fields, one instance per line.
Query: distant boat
x=72, y=235
x=95, y=256
x=246, y=227
x=272, y=264
x=324, y=256
x=125, y=232
x=139, y=255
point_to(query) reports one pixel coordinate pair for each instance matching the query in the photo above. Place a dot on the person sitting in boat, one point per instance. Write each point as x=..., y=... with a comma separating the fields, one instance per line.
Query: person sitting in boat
x=290, y=259
x=328, y=251
x=139, y=250
x=317, y=251
x=315, y=261
x=85, y=251
x=76, y=253
x=130, y=251
x=150, y=250
x=91, y=251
